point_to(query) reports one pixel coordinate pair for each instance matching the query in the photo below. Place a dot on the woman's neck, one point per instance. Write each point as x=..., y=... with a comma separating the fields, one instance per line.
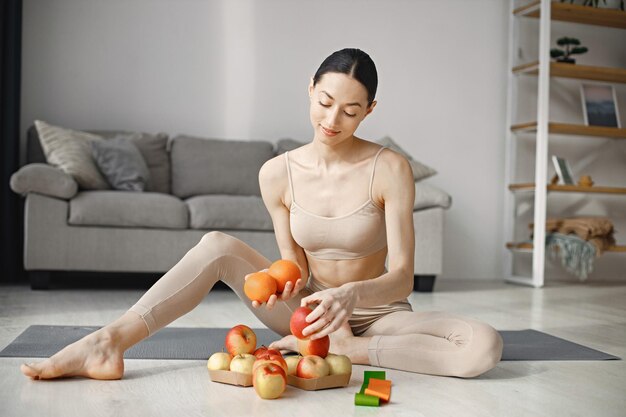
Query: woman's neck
x=325, y=156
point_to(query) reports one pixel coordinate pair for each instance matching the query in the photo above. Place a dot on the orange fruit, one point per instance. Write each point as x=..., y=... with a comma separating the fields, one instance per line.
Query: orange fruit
x=260, y=286
x=284, y=271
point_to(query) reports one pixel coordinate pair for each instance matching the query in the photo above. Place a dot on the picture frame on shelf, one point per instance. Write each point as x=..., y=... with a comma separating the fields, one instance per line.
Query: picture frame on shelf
x=599, y=105
x=563, y=171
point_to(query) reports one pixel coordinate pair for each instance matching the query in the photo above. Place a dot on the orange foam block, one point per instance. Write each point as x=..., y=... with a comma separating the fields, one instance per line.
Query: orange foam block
x=380, y=388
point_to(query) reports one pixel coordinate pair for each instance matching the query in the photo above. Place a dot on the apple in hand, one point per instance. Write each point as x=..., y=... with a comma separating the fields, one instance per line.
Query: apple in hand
x=219, y=361
x=240, y=339
x=269, y=381
x=312, y=366
x=339, y=364
x=243, y=363
x=292, y=363
x=297, y=323
x=318, y=347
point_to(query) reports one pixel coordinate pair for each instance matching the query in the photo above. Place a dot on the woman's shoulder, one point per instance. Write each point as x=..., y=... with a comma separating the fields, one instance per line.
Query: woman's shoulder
x=393, y=163
x=273, y=168
x=386, y=156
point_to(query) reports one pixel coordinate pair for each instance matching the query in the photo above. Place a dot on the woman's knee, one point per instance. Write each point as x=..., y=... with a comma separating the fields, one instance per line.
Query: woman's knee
x=484, y=352
x=217, y=240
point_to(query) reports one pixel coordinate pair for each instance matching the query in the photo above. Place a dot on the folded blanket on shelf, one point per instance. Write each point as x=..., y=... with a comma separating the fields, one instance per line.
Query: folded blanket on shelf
x=578, y=241
x=597, y=230
x=576, y=254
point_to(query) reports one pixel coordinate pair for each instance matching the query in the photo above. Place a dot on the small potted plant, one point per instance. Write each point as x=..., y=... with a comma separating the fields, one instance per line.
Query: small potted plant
x=564, y=55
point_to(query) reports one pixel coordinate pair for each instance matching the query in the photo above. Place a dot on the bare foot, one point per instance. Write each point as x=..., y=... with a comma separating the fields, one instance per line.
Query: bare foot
x=94, y=356
x=287, y=344
x=342, y=342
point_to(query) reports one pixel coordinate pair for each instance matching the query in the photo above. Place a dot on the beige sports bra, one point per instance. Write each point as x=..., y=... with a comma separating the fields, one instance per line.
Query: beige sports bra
x=351, y=236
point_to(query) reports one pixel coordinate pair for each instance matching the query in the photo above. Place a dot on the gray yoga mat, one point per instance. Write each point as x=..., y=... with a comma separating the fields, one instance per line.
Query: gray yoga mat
x=199, y=343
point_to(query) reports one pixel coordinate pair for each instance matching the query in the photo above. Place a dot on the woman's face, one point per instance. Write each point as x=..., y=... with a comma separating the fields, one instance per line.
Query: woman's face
x=338, y=105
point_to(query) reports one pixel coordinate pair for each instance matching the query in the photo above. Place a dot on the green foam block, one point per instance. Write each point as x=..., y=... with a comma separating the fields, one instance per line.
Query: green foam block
x=366, y=400
x=371, y=374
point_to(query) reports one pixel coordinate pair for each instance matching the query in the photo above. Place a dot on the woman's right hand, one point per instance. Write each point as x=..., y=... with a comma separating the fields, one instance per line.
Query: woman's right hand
x=288, y=293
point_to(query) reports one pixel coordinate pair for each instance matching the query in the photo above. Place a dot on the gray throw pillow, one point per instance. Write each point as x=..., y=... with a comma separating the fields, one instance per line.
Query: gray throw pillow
x=121, y=163
x=154, y=149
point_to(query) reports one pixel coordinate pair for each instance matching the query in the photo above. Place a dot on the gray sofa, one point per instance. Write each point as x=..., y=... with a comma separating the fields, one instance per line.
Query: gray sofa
x=203, y=185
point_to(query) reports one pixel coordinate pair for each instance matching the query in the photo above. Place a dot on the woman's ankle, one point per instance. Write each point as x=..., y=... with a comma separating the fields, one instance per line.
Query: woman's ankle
x=124, y=332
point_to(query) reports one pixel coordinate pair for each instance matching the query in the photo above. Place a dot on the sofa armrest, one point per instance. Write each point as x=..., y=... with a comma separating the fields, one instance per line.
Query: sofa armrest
x=427, y=195
x=43, y=179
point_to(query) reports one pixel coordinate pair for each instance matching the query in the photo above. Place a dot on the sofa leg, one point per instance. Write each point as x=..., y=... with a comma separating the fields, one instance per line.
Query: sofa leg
x=423, y=283
x=39, y=280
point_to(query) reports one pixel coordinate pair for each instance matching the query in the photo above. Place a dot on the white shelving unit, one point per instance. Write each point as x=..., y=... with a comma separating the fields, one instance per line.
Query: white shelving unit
x=547, y=11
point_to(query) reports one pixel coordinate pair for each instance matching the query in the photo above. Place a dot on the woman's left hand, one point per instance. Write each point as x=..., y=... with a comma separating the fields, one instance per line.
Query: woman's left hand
x=334, y=308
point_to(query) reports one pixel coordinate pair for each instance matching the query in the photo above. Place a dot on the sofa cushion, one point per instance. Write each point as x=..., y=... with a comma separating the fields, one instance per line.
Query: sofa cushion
x=153, y=148
x=214, y=166
x=128, y=209
x=121, y=163
x=228, y=212
x=70, y=150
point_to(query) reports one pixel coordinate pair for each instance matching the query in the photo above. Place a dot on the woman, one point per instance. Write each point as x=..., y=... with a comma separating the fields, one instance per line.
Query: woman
x=340, y=205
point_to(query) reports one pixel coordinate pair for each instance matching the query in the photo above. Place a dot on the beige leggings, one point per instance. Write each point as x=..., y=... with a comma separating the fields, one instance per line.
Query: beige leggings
x=433, y=343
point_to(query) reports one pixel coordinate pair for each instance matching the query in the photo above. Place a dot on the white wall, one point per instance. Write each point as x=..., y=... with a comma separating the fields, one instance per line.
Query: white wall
x=239, y=69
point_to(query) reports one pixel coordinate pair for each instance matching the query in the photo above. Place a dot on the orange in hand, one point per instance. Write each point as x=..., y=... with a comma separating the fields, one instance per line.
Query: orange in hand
x=260, y=286
x=284, y=271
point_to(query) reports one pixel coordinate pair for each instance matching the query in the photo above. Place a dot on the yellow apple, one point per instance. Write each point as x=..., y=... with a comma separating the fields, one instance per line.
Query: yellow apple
x=269, y=381
x=243, y=363
x=219, y=361
x=339, y=364
x=312, y=366
x=292, y=363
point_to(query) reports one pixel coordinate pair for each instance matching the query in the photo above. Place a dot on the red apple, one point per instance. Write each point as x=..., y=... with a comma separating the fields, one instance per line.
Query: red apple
x=292, y=363
x=297, y=323
x=272, y=356
x=264, y=350
x=243, y=363
x=260, y=350
x=312, y=366
x=240, y=339
x=339, y=364
x=318, y=347
x=219, y=361
x=269, y=381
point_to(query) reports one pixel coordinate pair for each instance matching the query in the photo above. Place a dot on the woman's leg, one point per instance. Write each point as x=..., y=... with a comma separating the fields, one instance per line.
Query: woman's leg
x=217, y=256
x=435, y=343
